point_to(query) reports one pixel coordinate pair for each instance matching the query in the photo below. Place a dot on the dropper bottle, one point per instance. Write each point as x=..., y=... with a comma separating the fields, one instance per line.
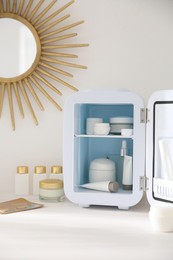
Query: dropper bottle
x=123, y=148
x=123, y=152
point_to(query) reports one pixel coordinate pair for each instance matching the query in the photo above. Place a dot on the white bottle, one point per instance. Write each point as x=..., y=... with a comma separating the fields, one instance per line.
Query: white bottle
x=22, y=181
x=127, y=181
x=39, y=174
x=56, y=172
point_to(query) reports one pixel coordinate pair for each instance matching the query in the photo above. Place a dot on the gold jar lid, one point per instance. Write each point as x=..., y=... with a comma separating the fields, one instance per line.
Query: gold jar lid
x=56, y=169
x=39, y=169
x=22, y=169
x=51, y=184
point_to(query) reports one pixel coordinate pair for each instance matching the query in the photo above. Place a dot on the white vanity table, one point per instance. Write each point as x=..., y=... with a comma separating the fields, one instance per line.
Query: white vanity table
x=66, y=231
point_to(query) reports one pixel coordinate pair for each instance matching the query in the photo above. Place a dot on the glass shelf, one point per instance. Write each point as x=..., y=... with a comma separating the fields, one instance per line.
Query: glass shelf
x=103, y=136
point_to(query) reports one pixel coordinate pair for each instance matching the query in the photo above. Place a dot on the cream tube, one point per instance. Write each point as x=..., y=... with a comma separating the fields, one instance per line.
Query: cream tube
x=166, y=161
x=110, y=186
x=127, y=181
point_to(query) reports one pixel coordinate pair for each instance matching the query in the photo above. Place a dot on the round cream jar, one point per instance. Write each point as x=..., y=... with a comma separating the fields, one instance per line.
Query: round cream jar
x=102, y=169
x=119, y=123
x=51, y=190
x=101, y=129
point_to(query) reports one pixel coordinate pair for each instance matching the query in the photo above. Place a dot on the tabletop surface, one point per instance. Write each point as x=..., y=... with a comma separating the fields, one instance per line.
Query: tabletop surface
x=66, y=231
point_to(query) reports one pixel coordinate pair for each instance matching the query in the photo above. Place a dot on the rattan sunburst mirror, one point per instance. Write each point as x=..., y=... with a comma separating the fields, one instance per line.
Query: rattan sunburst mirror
x=43, y=32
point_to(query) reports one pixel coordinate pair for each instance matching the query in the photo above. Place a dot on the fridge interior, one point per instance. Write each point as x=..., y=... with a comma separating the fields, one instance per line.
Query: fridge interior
x=163, y=151
x=90, y=147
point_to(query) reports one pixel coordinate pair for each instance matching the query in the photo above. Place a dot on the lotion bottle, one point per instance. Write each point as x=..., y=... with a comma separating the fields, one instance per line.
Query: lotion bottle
x=22, y=181
x=56, y=172
x=127, y=173
x=123, y=153
x=39, y=174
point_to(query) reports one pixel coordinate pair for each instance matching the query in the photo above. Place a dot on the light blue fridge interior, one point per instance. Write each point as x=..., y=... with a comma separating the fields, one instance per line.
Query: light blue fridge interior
x=88, y=148
x=105, y=111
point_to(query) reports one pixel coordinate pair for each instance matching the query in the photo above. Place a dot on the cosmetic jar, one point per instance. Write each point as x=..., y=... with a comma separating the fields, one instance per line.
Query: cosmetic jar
x=126, y=132
x=51, y=190
x=102, y=169
x=90, y=123
x=161, y=218
x=119, y=123
x=101, y=129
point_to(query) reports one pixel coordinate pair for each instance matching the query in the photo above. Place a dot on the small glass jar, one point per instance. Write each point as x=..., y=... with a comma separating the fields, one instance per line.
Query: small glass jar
x=51, y=190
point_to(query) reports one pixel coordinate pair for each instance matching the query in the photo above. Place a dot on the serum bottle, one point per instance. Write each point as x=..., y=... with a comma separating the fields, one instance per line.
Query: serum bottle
x=123, y=153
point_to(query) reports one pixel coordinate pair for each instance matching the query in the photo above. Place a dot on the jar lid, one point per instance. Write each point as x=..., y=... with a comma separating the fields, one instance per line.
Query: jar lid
x=51, y=184
x=102, y=164
x=40, y=169
x=121, y=120
x=22, y=169
x=56, y=169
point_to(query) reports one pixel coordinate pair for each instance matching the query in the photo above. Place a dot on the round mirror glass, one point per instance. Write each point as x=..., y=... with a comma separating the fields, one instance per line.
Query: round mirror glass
x=18, y=48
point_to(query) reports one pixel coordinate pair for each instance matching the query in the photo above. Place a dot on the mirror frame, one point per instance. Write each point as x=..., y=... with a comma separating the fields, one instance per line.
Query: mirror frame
x=48, y=58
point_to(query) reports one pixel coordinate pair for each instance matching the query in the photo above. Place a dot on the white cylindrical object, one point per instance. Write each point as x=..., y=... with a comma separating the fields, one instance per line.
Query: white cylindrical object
x=39, y=174
x=101, y=129
x=56, y=172
x=127, y=180
x=22, y=181
x=102, y=169
x=102, y=186
x=161, y=218
x=166, y=161
x=126, y=132
x=119, y=123
x=90, y=122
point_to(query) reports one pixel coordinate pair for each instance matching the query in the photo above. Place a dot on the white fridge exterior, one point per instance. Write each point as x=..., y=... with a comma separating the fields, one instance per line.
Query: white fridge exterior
x=78, y=147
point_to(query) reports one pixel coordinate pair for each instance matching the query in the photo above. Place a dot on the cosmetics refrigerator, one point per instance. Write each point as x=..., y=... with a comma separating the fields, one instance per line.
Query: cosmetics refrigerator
x=150, y=126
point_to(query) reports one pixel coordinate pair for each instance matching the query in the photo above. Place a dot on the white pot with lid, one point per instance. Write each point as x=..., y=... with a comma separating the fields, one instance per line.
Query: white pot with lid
x=102, y=169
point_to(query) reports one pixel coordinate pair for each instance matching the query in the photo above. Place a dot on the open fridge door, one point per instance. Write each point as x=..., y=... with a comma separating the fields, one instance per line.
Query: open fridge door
x=159, y=159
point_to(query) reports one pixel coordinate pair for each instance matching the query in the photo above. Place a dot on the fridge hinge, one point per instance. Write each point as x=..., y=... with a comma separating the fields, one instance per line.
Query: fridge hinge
x=144, y=115
x=143, y=183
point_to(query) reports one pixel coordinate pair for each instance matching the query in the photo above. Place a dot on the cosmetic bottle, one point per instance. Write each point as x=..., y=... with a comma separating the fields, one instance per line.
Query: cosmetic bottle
x=39, y=174
x=120, y=161
x=56, y=172
x=22, y=181
x=107, y=186
x=51, y=190
x=127, y=180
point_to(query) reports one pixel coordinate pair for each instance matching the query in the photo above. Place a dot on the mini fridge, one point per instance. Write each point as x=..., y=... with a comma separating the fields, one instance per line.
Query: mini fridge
x=151, y=165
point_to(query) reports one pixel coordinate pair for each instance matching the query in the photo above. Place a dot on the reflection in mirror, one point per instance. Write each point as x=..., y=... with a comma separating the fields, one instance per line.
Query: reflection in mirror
x=31, y=55
x=17, y=48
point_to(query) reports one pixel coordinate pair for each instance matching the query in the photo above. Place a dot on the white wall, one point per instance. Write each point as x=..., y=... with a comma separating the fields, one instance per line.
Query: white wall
x=131, y=46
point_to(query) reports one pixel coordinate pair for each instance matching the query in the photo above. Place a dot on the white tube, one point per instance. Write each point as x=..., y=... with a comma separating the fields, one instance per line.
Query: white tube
x=127, y=173
x=166, y=161
x=102, y=186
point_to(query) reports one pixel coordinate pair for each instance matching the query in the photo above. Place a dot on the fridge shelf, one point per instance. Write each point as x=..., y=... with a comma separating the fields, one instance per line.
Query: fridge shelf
x=103, y=136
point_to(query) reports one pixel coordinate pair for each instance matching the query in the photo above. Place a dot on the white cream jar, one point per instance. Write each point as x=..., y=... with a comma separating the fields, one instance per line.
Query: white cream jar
x=102, y=169
x=51, y=190
x=101, y=129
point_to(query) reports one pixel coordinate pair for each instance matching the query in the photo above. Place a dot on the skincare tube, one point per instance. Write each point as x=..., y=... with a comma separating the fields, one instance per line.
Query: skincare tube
x=127, y=181
x=109, y=186
x=166, y=161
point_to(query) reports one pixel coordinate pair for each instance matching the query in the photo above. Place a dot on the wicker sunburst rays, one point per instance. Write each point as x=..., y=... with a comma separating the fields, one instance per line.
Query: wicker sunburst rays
x=48, y=32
